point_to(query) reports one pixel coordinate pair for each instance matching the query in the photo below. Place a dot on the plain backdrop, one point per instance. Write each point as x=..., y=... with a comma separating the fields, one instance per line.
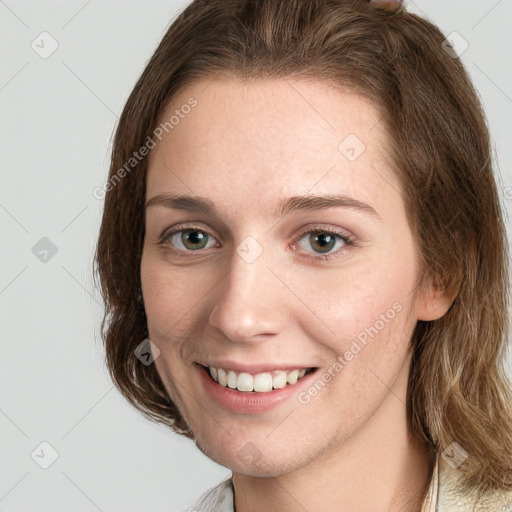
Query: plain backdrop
x=66, y=70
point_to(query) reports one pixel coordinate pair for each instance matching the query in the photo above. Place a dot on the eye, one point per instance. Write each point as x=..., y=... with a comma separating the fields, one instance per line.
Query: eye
x=189, y=239
x=325, y=243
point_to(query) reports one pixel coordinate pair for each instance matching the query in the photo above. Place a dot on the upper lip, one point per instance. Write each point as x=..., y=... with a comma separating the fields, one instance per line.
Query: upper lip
x=254, y=368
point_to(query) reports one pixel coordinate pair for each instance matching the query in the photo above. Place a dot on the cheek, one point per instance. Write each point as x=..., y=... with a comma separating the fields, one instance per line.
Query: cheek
x=166, y=302
x=367, y=357
x=361, y=302
x=176, y=301
x=366, y=314
x=169, y=297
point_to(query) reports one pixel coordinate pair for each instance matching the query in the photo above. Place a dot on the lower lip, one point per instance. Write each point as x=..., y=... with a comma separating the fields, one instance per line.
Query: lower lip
x=250, y=403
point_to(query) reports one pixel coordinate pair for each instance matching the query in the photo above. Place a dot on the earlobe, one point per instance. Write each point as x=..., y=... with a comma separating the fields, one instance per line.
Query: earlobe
x=433, y=301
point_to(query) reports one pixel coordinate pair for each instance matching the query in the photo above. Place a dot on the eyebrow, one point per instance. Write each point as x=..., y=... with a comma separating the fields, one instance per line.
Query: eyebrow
x=307, y=203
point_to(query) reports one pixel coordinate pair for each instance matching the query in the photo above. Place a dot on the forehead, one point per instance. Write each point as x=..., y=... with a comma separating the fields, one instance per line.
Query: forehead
x=263, y=139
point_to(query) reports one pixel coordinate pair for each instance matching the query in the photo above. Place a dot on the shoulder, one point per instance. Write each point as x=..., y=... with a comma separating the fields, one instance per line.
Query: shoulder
x=453, y=499
x=218, y=499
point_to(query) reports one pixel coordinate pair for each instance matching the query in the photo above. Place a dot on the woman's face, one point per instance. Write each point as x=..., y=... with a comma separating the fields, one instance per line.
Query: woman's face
x=246, y=269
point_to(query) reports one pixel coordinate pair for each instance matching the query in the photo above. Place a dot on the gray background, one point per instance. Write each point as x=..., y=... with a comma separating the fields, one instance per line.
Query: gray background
x=57, y=117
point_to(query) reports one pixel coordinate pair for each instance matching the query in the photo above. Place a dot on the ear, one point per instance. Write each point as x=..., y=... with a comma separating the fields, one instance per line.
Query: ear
x=433, y=301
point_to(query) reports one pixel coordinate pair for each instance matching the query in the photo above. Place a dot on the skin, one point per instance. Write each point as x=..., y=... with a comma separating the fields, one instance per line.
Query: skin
x=247, y=147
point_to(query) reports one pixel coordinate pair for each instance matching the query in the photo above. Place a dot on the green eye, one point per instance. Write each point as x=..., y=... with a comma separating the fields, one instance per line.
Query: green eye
x=191, y=239
x=323, y=244
x=316, y=243
x=194, y=239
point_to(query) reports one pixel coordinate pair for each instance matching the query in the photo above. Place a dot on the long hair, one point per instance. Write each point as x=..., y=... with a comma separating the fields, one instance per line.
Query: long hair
x=458, y=388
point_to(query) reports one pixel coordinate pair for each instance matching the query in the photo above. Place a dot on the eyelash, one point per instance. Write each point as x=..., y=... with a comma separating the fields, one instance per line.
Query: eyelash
x=348, y=240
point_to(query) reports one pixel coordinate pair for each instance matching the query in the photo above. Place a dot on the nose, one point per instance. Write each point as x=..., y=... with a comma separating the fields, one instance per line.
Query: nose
x=250, y=305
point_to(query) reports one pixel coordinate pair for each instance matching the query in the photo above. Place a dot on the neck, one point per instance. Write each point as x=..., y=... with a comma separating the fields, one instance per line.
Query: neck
x=375, y=470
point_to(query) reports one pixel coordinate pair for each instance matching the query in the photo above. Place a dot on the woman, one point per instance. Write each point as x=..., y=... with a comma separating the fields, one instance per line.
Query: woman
x=301, y=216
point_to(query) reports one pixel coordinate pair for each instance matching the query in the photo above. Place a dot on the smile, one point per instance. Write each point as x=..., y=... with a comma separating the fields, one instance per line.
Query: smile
x=262, y=382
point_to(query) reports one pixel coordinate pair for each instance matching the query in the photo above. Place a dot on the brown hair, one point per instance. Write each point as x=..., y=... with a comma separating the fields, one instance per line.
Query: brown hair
x=458, y=389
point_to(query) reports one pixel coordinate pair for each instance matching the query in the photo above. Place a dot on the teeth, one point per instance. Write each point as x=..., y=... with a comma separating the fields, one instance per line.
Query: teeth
x=260, y=382
x=232, y=380
x=291, y=378
x=263, y=382
x=279, y=380
x=244, y=382
x=221, y=377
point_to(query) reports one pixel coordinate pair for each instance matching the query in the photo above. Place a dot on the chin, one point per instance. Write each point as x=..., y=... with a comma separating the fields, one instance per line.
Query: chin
x=257, y=457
